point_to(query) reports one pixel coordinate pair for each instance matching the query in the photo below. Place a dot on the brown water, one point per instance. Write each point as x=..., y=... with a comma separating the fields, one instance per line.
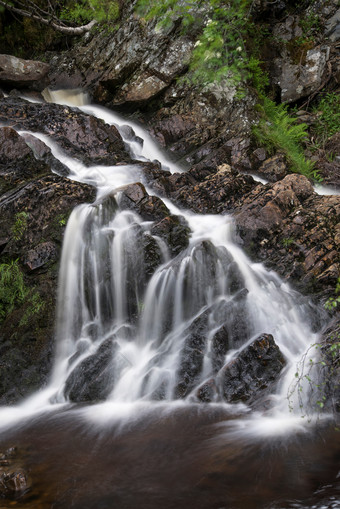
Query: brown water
x=190, y=458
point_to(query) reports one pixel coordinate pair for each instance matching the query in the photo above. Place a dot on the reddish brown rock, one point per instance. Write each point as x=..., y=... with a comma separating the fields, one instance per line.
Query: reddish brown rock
x=292, y=229
x=273, y=169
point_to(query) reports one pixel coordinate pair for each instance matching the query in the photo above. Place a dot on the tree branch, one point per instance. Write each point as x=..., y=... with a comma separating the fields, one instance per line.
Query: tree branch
x=50, y=20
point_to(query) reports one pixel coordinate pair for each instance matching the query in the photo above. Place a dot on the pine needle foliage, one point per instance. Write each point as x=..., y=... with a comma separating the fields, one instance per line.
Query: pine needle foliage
x=277, y=130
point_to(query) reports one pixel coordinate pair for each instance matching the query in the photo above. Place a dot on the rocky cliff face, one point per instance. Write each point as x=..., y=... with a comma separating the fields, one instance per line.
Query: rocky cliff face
x=283, y=223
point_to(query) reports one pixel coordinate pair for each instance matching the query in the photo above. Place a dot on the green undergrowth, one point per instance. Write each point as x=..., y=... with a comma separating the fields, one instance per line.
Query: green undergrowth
x=277, y=130
x=14, y=293
x=328, y=120
x=222, y=32
x=84, y=11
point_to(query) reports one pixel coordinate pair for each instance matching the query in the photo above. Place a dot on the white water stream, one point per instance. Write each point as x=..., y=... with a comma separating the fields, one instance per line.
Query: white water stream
x=108, y=309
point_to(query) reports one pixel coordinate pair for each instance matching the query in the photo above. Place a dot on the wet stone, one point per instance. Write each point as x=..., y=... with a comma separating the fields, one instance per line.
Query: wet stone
x=92, y=378
x=253, y=372
x=208, y=391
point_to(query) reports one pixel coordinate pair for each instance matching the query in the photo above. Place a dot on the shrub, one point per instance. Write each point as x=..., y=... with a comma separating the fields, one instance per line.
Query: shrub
x=277, y=130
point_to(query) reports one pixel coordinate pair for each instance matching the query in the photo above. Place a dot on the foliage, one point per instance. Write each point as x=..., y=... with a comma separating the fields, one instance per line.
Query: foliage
x=220, y=53
x=320, y=372
x=277, y=130
x=314, y=374
x=287, y=241
x=334, y=302
x=34, y=305
x=19, y=225
x=84, y=11
x=13, y=291
x=328, y=122
x=310, y=25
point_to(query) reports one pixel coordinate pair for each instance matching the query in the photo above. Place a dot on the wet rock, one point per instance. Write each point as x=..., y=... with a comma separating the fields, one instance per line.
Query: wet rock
x=92, y=379
x=266, y=209
x=14, y=479
x=14, y=483
x=152, y=255
x=273, y=169
x=84, y=137
x=192, y=356
x=258, y=157
x=23, y=73
x=27, y=334
x=329, y=370
x=208, y=391
x=12, y=146
x=219, y=348
x=254, y=371
x=219, y=192
x=174, y=230
x=150, y=208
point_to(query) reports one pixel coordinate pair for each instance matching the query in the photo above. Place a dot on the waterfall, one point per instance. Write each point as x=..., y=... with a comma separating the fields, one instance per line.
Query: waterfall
x=131, y=330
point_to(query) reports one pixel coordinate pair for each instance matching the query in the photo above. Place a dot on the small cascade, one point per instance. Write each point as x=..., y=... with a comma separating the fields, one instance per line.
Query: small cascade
x=135, y=325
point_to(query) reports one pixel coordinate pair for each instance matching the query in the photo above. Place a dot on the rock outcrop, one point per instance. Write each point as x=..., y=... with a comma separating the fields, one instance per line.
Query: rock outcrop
x=18, y=73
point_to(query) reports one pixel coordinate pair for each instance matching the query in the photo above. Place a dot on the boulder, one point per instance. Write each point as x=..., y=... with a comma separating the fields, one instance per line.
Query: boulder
x=150, y=208
x=253, y=372
x=300, y=80
x=208, y=391
x=192, y=356
x=93, y=378
x=174, y=230
x=273, y=169
x=19, y=73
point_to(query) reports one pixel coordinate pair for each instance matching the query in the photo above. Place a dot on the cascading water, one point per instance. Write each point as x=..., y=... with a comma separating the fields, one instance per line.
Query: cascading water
x=138, y=325
x=140, y=332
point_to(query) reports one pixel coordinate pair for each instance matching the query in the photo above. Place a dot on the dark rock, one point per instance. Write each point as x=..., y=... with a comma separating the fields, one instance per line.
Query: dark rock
x=274, y=168
x=219, y=192
x=329, y=369
x=192, y=356
x=23, y=73
x=219, y=348
x=41, y=255
x=254, y=371
x=174, y=230
x=14, y=483
x=14, y=479
x=208, y=391
x=82, y=136
x=92, y=379
x=27, y=334
x=152, y=255
x=150, y=208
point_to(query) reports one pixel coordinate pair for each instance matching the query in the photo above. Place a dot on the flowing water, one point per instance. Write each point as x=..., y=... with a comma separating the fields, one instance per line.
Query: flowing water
x=123, y=330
